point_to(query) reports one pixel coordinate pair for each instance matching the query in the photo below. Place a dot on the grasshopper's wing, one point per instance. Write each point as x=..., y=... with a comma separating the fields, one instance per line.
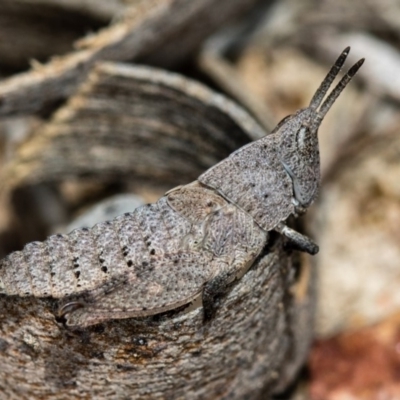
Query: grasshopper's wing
x=163, y=284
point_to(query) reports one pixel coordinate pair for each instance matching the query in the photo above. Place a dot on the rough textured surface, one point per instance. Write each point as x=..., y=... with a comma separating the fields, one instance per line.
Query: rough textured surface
x=242, y=350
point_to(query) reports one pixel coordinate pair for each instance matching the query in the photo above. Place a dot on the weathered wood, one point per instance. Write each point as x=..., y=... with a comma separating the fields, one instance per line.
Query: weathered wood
x=133, y=122
x=153, y=31
x=240, y=354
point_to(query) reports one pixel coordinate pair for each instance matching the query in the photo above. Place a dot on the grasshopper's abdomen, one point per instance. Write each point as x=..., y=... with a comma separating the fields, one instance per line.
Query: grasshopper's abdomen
x=86, y=258
x=63, y=264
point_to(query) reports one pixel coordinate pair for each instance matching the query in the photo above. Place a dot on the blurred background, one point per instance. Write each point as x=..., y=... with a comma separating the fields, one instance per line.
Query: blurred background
x=270, y=56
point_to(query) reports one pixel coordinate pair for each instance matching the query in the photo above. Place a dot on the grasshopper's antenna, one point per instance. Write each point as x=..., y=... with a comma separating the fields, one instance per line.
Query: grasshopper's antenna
x=338, y=89
x=326, y=83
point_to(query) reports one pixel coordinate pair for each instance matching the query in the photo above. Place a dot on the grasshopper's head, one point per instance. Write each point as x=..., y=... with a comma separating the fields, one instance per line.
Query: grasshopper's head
x=297, y=135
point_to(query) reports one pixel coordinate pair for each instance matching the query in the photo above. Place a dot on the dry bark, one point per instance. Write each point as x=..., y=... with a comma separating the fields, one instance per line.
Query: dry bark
x=241, y=354
x=136, y=123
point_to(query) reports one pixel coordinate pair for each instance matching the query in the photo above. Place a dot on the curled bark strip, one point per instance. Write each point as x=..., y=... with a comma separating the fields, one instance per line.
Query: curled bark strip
x=134, y=122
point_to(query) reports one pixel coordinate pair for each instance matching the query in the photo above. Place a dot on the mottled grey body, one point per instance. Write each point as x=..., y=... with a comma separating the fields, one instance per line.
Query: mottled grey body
x=254, y=179
x=157, y=258
x=196, y=239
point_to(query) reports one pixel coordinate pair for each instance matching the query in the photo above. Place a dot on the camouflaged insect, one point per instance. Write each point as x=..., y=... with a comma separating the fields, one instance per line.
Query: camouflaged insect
x=195, y=240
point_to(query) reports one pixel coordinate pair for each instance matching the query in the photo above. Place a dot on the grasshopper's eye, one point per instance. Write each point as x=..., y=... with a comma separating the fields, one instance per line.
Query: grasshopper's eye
x=302, y=137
